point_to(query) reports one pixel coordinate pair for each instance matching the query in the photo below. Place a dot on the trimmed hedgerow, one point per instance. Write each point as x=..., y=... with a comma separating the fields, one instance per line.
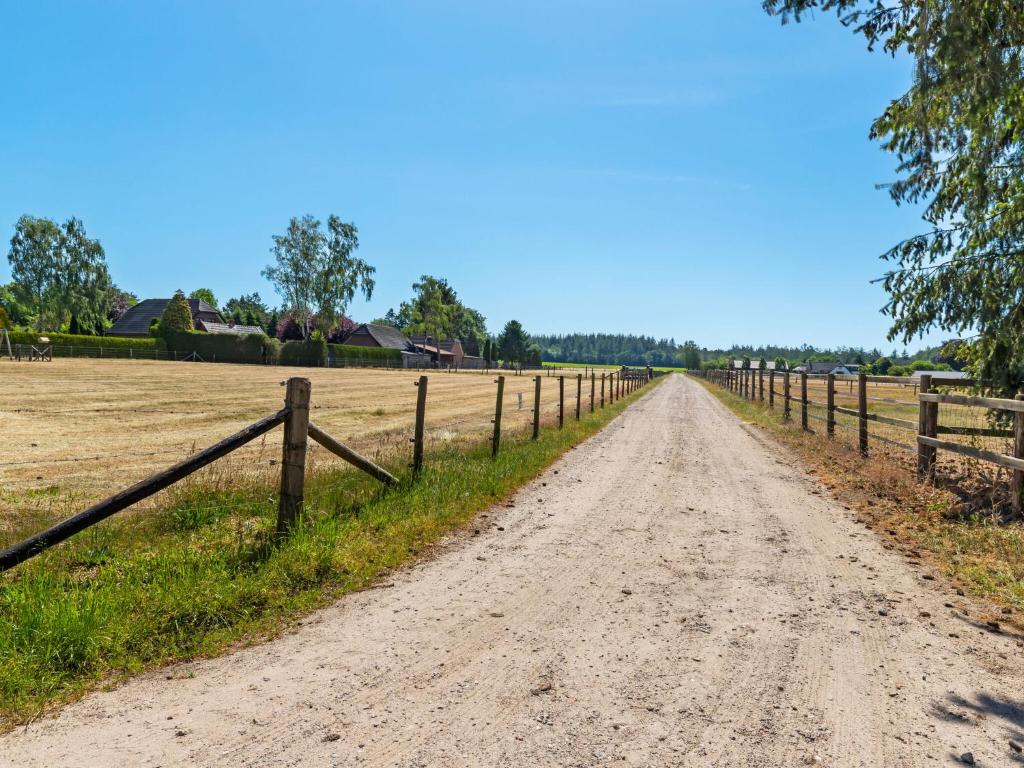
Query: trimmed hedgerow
x=311, y=352
x=66, y=345
x=368, y=356
x=224, y=347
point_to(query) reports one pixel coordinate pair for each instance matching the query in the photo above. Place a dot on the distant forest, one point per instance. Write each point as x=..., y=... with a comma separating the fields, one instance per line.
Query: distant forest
x=610, y=349
x=627, y=349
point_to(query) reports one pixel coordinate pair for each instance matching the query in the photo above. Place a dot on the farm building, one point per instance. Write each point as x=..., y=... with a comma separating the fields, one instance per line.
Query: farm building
x=136, y=321
x=939, y=375
x=839, y=369
x=418, y=350
x=769, y=365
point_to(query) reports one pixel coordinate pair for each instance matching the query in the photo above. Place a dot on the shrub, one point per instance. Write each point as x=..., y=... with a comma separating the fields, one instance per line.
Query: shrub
x=177, y=315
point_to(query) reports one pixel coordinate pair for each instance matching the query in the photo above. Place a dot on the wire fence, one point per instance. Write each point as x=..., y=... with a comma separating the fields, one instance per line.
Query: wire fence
x=929, y=424
x=458, y=411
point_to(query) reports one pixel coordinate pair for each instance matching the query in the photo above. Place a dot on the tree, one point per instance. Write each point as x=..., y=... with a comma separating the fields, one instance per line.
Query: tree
x=881, y=366
x=689, y=355
x=177, y=315
x=958, y=138
x=249, y=303
x=272, y=326
x=120, y=302
x=488, y=352
x=13, y=302
x=34, y=258
x=762, y=364
x=431, y=313
x=513, y=343
x=61, y=273
x=746, y=363
x=781, y=364
x=316, y=273
x=204, y=294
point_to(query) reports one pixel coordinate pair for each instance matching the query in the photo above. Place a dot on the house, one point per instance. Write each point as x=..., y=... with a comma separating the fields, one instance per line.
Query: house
x=446, y=352
x=136, y=321
x=381, y=336
x=417, y=351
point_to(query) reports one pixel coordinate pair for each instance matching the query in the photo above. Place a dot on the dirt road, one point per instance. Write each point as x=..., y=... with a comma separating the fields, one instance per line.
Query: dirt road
x=672, y=593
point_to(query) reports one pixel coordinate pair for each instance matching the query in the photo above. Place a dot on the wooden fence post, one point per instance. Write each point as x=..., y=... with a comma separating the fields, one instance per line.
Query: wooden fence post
x=862, y=413
x=760, y=384
x=293, y=455
x=785, y=396
x=602, y=390
x=1017, y=486
x=536, y=407
x=561, y=401
x=593, y=384
x=496, y=439
x=579, y=393
x=771, y=388
x=803, y=400
x=421, y=412
x=830, y=400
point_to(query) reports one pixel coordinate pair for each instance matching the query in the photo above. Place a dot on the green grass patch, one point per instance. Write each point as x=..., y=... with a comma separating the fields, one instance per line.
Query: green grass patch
x=204, y=572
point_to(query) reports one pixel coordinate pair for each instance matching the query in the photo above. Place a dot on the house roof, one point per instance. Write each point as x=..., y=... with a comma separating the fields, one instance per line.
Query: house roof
x=238, y=330
x=135, y=322
x=384, y=335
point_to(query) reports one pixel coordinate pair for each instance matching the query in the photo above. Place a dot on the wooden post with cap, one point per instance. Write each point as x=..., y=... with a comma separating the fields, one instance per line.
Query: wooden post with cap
x=293, y=454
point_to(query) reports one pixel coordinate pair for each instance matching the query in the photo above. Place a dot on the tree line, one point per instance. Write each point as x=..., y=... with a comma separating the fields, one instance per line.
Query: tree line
x=61, y=283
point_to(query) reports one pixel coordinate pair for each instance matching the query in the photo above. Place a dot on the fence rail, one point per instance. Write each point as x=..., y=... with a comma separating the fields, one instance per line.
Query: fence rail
x=750, y=384
x=298, y=430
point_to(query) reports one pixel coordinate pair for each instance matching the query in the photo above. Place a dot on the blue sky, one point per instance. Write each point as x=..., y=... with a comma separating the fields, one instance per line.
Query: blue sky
x=665, y=168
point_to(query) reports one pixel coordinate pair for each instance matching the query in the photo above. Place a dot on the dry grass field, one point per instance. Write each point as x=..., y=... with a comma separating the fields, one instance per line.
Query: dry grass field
x=77, y=430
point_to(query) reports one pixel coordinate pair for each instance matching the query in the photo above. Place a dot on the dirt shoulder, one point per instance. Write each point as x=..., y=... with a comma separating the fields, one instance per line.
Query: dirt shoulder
x=672, y=592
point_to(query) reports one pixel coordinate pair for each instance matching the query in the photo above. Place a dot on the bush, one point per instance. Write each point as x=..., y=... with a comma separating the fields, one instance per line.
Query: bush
x=177, y=314
x=224, y=347
x=312, y=352
x=383, y=357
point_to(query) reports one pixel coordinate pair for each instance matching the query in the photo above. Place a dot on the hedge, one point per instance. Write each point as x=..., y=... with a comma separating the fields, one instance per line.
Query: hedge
x=66, y=344
x=311, y=352
x=370, y=356
x=224, y=347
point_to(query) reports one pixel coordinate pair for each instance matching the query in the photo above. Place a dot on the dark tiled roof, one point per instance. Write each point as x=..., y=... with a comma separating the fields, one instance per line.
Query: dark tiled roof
x=135, y=322
x=384, y=335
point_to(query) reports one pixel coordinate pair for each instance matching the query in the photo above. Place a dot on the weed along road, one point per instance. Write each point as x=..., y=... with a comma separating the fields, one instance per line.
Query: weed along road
x=674, y=592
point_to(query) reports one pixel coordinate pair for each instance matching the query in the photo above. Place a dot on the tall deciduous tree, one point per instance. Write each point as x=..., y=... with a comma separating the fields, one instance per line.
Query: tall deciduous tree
x=61, y=272
x=204, y=294
x=958, y=133
x=316, y=272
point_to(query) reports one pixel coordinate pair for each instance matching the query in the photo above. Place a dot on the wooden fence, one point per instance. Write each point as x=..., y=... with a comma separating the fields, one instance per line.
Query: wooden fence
x=298, y=430
x=930, y=392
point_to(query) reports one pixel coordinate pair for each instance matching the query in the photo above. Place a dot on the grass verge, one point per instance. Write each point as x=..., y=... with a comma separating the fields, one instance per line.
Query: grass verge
x=203, y=574
x=979, y=551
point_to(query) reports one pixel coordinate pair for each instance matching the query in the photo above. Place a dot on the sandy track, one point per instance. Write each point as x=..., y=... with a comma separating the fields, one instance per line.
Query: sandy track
x=673, y=592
